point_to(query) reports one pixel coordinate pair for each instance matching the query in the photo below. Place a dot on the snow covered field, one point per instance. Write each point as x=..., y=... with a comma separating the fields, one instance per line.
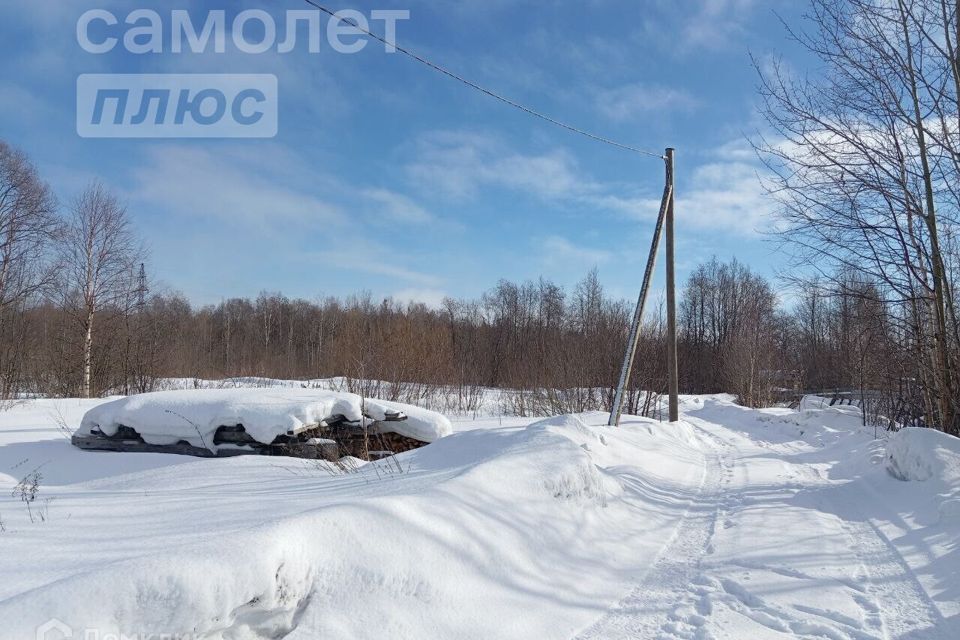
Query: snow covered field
x=732, y=524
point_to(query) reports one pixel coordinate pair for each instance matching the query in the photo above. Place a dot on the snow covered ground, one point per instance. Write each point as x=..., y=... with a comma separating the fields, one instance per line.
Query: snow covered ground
x=733, y=523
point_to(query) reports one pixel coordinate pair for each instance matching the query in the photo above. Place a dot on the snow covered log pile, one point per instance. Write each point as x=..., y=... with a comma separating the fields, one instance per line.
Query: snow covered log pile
x=225, y=422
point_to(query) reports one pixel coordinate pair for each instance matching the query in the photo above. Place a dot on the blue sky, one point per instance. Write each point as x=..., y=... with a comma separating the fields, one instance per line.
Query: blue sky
x=386, y=176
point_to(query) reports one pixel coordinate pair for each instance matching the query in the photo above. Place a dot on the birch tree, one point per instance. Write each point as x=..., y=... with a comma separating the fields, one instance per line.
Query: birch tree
x=99, y=254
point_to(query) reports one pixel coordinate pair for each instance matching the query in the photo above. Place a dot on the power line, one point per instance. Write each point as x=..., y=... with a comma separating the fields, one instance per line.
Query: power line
x=484, y=90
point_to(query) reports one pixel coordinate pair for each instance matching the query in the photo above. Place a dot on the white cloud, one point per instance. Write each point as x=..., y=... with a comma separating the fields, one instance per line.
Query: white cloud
x=696, y=26
x=727, y=196
x=715, y=24
x=193, y=182
x=363, y=255
x=551, y=175
x=397, y=207
x=381, y=264
x=459, y=164
x=723, y=196
x=21, y=105
x=739, y=150
x=634, y=100
x=559, y=250
x=263, y=205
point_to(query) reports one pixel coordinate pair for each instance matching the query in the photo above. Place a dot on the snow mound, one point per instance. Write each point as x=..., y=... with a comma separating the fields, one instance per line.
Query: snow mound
x=167, y=417
x=479, y=526
x=924, y=454
x=570, y=425
x=579, y=478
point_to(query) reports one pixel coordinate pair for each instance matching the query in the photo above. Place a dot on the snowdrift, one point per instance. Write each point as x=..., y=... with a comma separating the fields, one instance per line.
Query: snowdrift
x=815, y=423
x=530, y=520
x=169, y=417
x=924, y=454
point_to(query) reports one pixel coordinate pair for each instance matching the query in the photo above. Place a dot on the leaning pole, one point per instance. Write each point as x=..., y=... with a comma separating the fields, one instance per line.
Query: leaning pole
x=664, y=218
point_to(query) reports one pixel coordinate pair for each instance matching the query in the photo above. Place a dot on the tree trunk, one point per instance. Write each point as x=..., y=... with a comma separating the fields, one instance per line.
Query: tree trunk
x=940, y=287
x=87, y=353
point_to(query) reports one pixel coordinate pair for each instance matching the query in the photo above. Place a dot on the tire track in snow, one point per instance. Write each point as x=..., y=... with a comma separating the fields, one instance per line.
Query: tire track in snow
x=892, y=602
x=901, y=608
x=738, y=598
x=651, y=609
x=684, y=588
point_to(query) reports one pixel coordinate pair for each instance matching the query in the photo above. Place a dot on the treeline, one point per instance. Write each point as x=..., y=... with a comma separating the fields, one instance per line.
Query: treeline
x=554, y=350
x=839, y=335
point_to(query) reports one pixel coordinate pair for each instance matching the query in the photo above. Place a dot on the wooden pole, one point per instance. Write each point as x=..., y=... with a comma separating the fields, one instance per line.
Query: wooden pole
x=672, y=374
x=634, y=338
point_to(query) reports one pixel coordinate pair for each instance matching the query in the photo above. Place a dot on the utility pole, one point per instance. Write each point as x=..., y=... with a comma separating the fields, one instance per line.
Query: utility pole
x=672, y=375
x=666, y=213
x=141, y=290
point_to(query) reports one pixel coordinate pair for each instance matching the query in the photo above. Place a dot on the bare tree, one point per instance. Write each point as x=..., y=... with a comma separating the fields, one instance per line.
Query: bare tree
x=865, y=165
x=728, y=319
x=99, y=257
x=28, y=225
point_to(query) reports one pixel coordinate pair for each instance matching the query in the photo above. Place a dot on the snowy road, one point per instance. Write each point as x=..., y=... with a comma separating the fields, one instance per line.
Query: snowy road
x=771, y=547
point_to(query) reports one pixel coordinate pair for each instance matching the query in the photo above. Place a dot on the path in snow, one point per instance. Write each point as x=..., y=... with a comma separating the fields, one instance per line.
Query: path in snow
x=769, y=548
x=668, y=599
